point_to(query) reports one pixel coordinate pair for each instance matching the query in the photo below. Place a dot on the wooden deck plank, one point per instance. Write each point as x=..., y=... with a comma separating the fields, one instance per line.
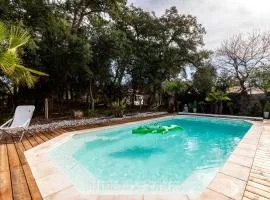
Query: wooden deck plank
x=31, y=140
x=13, y=156
x=33, y=188
x=48, y=135
x=18, y=180
x=62, y=130
x=5, y=179
x=253, y=196
x=259, y=181
x=5, y=186
x=258, y=191
x=26, y=143
x=258, y=185
x=20, y=150
x=58, y=132
x=19, y=185
x=38, y=138
x=4, y=166
x=42, y=136
x=53, y=134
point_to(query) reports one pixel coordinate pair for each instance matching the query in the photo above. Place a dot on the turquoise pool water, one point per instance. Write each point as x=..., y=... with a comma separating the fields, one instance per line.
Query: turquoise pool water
x=115, y=160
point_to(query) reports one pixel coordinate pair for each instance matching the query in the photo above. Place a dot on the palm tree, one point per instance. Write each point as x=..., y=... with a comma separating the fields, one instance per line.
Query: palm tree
x=217, y=98
x=172, y=88
x=10, y=63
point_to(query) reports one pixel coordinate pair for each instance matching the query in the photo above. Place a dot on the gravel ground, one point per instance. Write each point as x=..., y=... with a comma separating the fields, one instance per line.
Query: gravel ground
x=83, y=122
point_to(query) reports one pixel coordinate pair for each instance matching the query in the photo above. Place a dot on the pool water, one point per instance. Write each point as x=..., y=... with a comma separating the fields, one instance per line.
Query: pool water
x=115, y=160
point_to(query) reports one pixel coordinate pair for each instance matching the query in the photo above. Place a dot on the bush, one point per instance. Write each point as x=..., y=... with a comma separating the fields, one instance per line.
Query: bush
x=194, y=104
x=119, y=107
x=90, y=113
x=266, y=107
x=107, y=112
x=257, y=109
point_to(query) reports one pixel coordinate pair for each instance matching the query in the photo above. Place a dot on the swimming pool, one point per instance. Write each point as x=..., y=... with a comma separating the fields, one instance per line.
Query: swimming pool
x=114, y=160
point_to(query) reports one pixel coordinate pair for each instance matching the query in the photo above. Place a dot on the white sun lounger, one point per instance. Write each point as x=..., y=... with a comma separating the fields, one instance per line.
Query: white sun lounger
x=19, y=122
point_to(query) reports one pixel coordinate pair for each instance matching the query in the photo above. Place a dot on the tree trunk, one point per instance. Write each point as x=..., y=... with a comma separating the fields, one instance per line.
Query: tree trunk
x=216, y=108
x=243, y=87
x=171, y=107
x=133, y=98
x=230, y=109
x=14, y=98
x=220, y=108
x=91, y=95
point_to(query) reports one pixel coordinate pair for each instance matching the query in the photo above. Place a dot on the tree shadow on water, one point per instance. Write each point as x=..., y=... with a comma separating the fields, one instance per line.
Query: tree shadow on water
x=137, y=152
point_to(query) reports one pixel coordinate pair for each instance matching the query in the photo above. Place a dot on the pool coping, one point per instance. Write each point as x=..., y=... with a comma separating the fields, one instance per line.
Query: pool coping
x=223, y=116
x=229, y=182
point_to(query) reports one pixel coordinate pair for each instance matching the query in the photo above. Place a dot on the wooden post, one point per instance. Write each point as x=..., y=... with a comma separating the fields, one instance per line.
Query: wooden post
x=46, y=107
x=140, y=99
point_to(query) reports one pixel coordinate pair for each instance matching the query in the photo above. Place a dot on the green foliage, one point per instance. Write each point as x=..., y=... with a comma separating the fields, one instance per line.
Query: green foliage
x=173, y=87
x=194, y=104
x=10, y=62
x=216, y=96
x=257, y=109
x=90, y=113
x=224, y=81
x=266, y=107
x=261, y=79
x=204, y=79
x=118, y=107
x=99, y=48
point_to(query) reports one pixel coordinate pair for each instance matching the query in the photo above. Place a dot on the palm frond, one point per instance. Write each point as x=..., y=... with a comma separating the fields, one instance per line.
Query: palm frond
x=8, y=61
x=2, y=32
x=23, y=77
x=17, y=37
x=32, y=70
x=217, y=96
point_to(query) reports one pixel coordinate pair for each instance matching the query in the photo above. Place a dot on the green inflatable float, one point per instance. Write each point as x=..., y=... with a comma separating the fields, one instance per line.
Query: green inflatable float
x=143, y=130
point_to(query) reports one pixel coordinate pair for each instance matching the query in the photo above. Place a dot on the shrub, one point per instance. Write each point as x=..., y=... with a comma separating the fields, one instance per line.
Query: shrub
x=195, y=104
x=107, y=112
x=90, y=113
x=119, y=107
x=266, y=107
x=257, y=109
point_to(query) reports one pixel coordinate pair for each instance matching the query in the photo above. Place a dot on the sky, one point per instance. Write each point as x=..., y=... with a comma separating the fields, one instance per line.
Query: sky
x=221, y=18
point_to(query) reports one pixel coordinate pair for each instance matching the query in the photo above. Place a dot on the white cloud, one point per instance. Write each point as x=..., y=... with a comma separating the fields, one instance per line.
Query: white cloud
x=221, y=18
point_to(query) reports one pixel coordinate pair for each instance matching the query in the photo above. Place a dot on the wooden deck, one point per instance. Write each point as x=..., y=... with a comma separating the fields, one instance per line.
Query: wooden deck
x=258, y=185
x=17, y=182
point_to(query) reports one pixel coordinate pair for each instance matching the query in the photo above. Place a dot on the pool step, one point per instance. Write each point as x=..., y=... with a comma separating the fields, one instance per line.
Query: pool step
x=198, y=180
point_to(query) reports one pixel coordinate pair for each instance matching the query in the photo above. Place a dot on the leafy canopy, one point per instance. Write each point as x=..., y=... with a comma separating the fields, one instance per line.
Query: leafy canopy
x=216, y=96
